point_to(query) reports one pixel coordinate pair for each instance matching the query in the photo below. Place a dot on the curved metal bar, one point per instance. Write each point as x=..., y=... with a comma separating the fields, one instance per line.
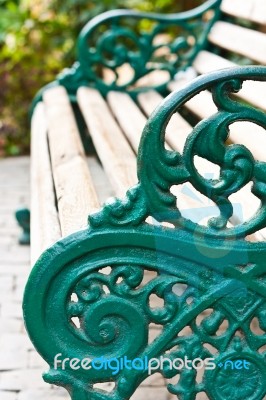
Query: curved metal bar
x=208, y=141
x=117, y=14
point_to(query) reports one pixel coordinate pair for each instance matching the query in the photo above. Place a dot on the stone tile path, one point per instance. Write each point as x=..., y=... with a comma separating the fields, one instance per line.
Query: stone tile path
x=20, y=366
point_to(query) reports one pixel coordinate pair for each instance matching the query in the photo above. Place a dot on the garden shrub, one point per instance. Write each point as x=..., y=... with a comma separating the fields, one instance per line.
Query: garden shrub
x=37, y=40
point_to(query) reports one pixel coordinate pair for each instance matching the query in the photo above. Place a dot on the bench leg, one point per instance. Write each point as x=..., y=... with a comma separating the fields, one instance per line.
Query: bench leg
x=23, y=219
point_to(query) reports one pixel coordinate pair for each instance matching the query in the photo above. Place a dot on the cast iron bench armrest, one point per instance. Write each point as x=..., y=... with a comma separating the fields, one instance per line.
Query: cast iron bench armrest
x=197, y=267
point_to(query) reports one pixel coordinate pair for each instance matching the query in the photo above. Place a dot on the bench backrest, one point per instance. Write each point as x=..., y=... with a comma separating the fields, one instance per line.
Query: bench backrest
x=114, y=53
x=141, y=44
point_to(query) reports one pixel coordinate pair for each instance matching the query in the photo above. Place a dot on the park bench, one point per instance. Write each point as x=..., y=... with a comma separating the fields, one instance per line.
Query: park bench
x=177, y=253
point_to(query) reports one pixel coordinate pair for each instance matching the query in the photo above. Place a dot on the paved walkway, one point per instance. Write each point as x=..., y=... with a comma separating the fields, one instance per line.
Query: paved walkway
x=20, y=365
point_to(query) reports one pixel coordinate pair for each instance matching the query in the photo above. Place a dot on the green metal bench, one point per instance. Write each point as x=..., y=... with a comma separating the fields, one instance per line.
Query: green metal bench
x=187, y=230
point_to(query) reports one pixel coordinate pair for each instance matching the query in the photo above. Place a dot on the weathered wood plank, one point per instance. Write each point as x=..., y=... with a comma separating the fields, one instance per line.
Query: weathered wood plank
x=45, y=226
x=206, y=62
x=243, y=41
x=76, y=196
x=129, y=116
x=177, y=131
x=112, y=147
x=251, y=10
x=123, y=106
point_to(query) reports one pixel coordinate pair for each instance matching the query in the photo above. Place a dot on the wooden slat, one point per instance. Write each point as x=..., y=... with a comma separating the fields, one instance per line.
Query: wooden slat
x=129, y=116
x=75, y=192
x=102, y=184
x=243, y=41
x=206, y=62
x=201, y=105
x=132, y=122
x=45, y=227
x=113, y=149
x=251, y=10
x=177, y=130
x=253, y=92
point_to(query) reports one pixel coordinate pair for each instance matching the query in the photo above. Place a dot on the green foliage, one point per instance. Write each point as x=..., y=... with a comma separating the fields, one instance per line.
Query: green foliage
x=37, y=40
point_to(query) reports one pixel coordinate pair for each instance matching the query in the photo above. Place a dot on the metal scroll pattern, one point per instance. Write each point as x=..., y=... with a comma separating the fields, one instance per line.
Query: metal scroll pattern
x=216, y=314
x=143, y=43
x=118, y=322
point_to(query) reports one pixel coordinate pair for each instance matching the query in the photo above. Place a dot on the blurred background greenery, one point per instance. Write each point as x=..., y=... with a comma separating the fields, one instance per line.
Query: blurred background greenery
x=37, y=40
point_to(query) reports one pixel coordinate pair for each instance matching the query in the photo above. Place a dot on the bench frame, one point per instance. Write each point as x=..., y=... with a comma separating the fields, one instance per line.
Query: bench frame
x=220, y=269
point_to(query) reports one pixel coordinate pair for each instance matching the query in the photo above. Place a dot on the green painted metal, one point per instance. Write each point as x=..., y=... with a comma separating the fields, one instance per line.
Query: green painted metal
x=217, y=268
x=23, y=218
x=117, y=38
x=114, y=39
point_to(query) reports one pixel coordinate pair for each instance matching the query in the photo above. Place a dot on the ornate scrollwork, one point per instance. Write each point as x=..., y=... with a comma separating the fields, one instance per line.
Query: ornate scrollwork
x=94, y=305
x=237, y=345
x=130, y=211
x=207, y=140
x=114, y=311
x=106, y=319
x=116, y=38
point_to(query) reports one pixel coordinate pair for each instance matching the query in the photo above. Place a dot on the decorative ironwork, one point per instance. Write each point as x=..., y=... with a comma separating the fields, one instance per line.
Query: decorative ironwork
x=236, y=162
x=144, y=42
x=82, y=311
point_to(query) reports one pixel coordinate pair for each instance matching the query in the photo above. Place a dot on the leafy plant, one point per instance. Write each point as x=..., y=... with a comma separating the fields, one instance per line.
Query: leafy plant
x=37, y=40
